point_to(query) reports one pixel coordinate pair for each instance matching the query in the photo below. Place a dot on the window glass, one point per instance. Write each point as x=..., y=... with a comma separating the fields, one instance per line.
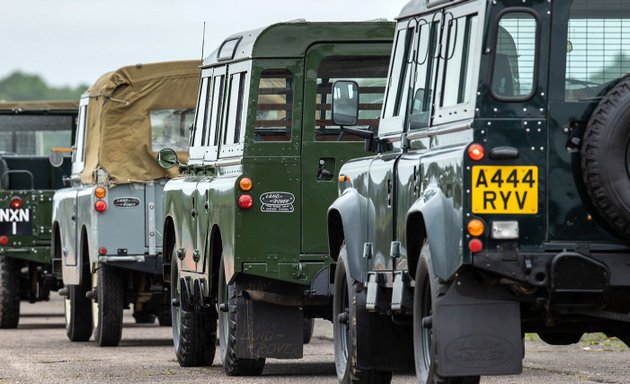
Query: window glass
x=370, y=73
x=274, y=106
x=199, y=127
x=234, y=108
x=515, y=56
x=598, y=47
x=425, y=75
x=217, y=101
x=239, y=108
x=461, y=32
x=170, y=127
x=398, y=78
x=37, y=136
x=80, y=139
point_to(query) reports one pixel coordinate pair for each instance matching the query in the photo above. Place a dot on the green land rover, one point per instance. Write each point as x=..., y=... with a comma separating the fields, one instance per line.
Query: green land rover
x=245, y=230
x=498, y=200
x=28, y=133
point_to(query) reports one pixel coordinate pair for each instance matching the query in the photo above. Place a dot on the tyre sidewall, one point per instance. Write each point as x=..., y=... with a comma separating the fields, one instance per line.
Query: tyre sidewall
x=175, y=310
x=604, y=158
x=343, y=364
x=423, y=280
x=108, y=330
x=10, y=292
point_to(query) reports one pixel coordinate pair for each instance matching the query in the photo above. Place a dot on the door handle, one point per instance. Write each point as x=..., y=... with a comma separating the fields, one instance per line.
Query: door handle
x=325, y=169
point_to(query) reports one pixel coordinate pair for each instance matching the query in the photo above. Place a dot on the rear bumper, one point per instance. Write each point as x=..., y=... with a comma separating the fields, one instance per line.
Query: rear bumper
x=34, y=254
x=568, y=277
x=143, y=263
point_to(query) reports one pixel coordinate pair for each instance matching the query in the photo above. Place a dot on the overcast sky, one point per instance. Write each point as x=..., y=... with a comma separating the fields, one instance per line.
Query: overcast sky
x=70, y=42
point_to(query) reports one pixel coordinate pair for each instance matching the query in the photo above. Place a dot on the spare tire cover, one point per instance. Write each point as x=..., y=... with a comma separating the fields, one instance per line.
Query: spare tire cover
x=606, y=158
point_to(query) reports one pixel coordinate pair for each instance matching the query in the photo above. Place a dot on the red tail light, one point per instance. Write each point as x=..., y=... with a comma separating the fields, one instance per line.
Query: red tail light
x=475, y=245
x=16, y=203
x=102, y=251
x=245, y=202
x=4, y=240
x=100, y=206
x=476, y=152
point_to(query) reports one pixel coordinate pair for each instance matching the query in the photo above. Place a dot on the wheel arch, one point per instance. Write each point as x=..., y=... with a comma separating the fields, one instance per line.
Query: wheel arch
x=434, y=217
x=347, y=220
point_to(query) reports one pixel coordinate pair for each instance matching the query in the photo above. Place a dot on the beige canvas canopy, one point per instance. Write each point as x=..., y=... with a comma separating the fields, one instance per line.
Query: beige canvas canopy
x=119, y=132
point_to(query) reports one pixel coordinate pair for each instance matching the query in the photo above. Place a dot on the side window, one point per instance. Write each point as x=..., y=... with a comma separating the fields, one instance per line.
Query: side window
x=199, y=126
x=170, y=127
x=457, y=82
x=234, y=109
x=215, y=112
x=370, y=73
x=399, y=75
x=421, y=105
x=274, y=106
x=597, y=48
x=513, y=76
x=79, y=153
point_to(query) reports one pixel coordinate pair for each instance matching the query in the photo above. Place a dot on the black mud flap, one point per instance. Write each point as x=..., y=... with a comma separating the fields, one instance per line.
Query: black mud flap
x=268, y=330
x=477, y=336
x=382, y=344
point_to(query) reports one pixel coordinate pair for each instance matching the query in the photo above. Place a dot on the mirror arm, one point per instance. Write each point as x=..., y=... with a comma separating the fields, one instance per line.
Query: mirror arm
x=362, y=133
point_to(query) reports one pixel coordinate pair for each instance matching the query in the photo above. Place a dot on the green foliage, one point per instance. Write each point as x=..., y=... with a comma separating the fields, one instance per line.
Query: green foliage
x=19, y=86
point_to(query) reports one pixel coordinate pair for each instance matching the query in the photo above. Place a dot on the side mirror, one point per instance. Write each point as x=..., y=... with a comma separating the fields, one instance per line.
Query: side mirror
x=56, y=159
x=345, y=103
x=167, y=158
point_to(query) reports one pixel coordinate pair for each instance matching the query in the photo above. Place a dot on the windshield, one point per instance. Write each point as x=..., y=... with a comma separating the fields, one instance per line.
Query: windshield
x=35, y=135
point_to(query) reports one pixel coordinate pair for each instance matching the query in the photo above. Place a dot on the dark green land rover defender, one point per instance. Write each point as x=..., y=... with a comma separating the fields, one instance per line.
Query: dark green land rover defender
x=498, y=202
x=245, y=223
x=28, y=133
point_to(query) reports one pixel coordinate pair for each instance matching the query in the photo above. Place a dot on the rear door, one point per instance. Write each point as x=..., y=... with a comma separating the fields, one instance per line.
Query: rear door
x=324, y=147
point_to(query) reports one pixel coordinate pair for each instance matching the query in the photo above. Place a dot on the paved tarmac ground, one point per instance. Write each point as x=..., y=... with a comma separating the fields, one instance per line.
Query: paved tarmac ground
x=39, y=352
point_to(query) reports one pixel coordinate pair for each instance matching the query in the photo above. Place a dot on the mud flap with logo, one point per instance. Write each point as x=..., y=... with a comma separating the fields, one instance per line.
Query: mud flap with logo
x=477, y=336
x=268, y=330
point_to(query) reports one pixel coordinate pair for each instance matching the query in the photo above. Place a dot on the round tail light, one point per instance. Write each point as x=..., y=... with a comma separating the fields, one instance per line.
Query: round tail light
x=16, y=203
x=4, y=240
x=245, y=202
x=100, y=206
x=100, y=192
x=246, y=184
x=476, y=152
x=475, y=245
x=475, y=227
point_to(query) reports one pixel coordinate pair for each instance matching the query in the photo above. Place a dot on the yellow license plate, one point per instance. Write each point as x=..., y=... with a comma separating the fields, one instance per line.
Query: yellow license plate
x=505, y=190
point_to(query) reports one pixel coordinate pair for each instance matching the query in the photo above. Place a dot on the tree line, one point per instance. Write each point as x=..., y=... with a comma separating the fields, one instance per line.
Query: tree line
x=20, y=86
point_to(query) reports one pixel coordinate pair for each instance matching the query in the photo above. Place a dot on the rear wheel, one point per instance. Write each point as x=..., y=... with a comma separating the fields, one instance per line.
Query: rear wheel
x=194, y=329
x=78, y=314
x=307, y=331
x=9, y=292
x=107, y=308
x=424, y=341
x=233, y=365
x=345, y=332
